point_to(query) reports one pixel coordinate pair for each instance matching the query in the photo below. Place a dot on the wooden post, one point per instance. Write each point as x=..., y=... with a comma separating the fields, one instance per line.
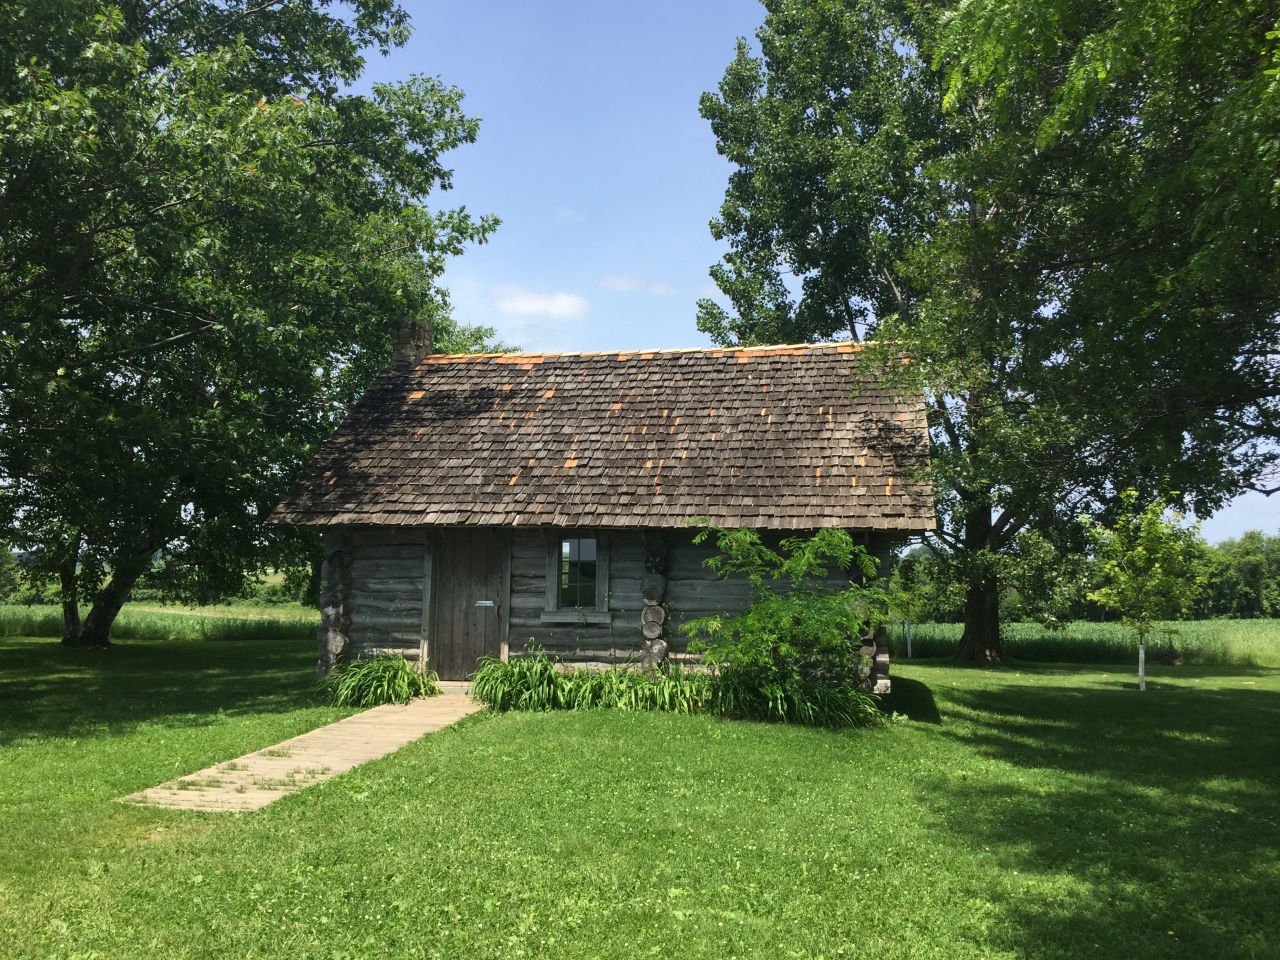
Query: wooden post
x=1142, y=666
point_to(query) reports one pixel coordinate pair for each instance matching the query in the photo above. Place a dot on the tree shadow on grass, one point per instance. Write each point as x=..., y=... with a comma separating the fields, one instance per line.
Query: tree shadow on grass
x=912, y=699
x=1135, y=815
x=47, y=690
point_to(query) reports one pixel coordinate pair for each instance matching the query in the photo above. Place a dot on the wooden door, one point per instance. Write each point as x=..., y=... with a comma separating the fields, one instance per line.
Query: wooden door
x=468, y=599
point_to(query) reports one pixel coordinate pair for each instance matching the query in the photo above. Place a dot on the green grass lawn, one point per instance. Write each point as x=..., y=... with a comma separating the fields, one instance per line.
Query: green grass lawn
x=1032, y=811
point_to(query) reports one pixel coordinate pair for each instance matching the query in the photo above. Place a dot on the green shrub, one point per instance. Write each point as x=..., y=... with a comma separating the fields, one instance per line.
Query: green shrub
x=793, y=656
x=385, y=678
x=537, y=682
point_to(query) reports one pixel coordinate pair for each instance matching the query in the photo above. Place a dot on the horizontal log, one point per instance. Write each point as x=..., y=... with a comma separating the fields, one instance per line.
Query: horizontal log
x=529, y=550
x=529, y=585
x=392, y=552
x=625, y=589
x=383, y=637
x=368, y=613
x=691, y=593
x=626, y=569
x=385, y=621
x=367, y=539
x=405, y=586
x=529, y=566
x=381, y=570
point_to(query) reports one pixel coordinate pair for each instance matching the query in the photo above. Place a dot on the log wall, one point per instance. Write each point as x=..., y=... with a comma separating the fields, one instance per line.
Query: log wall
x=389, y=584
x=692, y=590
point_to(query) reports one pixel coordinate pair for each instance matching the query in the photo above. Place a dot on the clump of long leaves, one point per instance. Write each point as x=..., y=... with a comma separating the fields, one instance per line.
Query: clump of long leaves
x=537, y=682
x=384, y=678
x=793, y=655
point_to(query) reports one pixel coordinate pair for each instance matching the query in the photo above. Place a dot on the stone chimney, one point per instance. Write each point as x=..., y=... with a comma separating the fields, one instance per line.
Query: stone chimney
x=412, y=342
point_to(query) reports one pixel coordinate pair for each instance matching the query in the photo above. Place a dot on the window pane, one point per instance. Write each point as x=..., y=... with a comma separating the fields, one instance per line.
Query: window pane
x=577, y=573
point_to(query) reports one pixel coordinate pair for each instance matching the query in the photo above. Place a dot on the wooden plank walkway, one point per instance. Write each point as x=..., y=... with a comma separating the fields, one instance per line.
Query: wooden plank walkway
x=254, y=780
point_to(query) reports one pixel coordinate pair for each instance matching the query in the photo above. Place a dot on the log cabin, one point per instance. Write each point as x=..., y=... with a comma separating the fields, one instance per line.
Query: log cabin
x=490, y=504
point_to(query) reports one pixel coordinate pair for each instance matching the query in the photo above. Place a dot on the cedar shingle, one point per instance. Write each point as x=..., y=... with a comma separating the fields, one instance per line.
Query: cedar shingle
x=625, y=440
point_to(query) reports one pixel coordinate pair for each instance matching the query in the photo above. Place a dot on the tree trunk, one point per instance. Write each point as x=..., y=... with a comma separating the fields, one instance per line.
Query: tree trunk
x=981, y=638
x=980, y=641
x=96, y=630
x=70, y=601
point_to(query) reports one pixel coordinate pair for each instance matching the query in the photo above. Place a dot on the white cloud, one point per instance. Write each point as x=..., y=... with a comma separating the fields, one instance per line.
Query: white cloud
x=622, y=283
x=518, y=302
x=566, y=215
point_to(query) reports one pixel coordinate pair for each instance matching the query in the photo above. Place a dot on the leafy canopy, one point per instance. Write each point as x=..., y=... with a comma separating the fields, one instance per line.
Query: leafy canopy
x=1151, y=566
x=206, y=247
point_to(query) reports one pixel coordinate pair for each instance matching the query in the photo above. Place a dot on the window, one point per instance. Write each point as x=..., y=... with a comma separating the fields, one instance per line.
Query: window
x=577, y=578
x=578, y=573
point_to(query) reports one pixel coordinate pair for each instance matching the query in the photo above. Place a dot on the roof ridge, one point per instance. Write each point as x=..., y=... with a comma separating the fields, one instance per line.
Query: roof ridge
x=852, y=345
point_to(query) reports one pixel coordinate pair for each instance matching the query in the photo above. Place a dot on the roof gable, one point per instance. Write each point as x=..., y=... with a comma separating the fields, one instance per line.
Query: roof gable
x=771, y=437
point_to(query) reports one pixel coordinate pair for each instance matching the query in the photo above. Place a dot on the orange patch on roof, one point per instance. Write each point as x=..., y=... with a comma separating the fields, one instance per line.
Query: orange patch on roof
x=417, y=395
x=571, y=462
x=548, y=394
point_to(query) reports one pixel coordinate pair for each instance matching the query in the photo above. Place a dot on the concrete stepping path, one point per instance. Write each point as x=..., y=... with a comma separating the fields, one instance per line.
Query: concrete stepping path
x=254, y=780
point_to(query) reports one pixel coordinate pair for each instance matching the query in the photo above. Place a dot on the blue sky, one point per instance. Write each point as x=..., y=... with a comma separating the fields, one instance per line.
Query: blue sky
x=592, y=152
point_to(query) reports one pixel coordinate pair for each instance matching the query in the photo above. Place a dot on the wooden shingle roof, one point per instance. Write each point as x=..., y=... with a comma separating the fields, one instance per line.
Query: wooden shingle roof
x=768, y=437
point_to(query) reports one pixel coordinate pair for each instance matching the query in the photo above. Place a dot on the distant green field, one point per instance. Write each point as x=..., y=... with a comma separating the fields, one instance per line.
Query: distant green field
x=151, y=622
x=1242, y=642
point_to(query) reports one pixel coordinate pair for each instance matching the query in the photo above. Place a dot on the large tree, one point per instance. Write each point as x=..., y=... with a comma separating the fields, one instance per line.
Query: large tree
x=871, y=194
x=205, y=248
x=1143, y=138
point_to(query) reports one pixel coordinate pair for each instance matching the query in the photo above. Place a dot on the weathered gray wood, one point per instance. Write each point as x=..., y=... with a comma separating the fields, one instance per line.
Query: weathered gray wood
x=530, y=567
x=524, y=605
x=653, y=613
x=602, y=573
x=707, y=594
x=504, y=610
x=385, y=536
x=425, y=639
x=626, y=568
x=389, y=551
x=399, y=587
x=472, y=571
x=551, y=594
